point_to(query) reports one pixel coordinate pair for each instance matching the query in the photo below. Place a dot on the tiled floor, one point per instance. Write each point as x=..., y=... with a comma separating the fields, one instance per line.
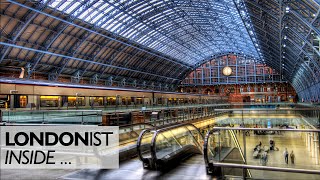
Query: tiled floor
x=289, y=140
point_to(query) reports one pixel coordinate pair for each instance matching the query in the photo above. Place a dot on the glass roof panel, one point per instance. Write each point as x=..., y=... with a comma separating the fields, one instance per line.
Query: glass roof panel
x=189, y=31
x=73, y=7
x=64, y=5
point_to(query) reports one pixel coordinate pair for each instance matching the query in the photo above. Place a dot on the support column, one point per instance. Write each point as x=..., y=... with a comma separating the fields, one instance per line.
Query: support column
x=309, y=142
x=37, y=102
x=87, y=101
x=105, y=102
x=59, y=102
x=118, y=100
x=91, y=102
x=312, y=145
x=316, y=148
x=11, y=102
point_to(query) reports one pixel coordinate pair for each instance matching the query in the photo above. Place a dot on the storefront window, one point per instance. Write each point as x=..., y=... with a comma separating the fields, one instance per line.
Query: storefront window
x=4, y=101
x=48, y=101
x=111, y=101
x=72, y=101
x=23, y=101
x=96, y=101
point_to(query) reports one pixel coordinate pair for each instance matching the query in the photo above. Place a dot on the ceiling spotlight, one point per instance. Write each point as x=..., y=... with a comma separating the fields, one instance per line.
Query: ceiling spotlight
x=287, y=9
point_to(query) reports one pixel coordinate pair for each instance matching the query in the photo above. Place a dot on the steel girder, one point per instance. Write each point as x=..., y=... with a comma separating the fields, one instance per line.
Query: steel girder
x=295, y=23
x=177, y=32
x=79, y=59
x=96, y=30
x=152, y=59
x=19, y=29
x=186, y=30
x=61, y=28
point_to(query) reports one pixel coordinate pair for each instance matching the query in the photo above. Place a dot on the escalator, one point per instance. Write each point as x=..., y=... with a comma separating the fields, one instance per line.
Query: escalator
x=223, y=146
x=164, y=148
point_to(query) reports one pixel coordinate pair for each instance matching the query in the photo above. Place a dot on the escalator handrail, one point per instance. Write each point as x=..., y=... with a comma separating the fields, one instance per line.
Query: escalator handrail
x=155, y=135
x=205, y=147
x=139, y=152
x=240, y=149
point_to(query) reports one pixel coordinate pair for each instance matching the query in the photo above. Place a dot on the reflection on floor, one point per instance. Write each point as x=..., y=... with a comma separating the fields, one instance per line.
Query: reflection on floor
x=34, y=174
x=291, y=141
x=192, y=168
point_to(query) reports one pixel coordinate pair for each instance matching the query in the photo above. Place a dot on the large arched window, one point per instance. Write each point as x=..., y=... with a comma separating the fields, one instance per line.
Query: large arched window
x=244, y=70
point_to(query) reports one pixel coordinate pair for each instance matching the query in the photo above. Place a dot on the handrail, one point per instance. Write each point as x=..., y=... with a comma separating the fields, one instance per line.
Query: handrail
x=135, y=124
x=28, y=124
x=139, y=144
x=151, y=163
x=245, y=166
x=267, y=168
x=155, y=135
x=62, y=110
x=240, y=149
x=266, y=129
x=205, y=148
x=266, y=109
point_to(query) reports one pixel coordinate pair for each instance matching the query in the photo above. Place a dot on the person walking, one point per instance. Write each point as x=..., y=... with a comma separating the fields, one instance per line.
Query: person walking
x=286, y=155
x=292, y=157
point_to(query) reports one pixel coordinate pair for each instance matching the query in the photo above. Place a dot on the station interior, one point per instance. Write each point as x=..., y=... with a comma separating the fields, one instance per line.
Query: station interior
x=199, y=89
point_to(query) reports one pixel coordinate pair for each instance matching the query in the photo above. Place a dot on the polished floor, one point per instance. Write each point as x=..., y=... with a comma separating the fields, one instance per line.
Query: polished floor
x=194, y=167
x=293, y=142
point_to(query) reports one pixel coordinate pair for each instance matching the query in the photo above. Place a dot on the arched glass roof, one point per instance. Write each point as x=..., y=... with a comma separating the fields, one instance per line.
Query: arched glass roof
x=187, y=30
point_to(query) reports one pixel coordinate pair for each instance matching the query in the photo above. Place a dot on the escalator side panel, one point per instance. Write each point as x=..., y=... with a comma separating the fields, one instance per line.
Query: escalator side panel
x=170, y=145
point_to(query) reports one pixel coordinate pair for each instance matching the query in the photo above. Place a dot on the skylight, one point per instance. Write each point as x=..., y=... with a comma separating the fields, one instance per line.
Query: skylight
x=189, y=31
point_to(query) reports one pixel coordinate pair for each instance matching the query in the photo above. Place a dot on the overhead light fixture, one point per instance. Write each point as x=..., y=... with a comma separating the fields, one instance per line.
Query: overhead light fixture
x=287, y=9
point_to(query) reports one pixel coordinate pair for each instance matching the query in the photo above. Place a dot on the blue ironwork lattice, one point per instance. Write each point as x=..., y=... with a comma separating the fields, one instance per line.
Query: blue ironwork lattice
x=189, y=31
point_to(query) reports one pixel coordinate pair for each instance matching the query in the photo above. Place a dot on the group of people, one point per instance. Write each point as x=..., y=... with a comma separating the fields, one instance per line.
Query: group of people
x=286, y=156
